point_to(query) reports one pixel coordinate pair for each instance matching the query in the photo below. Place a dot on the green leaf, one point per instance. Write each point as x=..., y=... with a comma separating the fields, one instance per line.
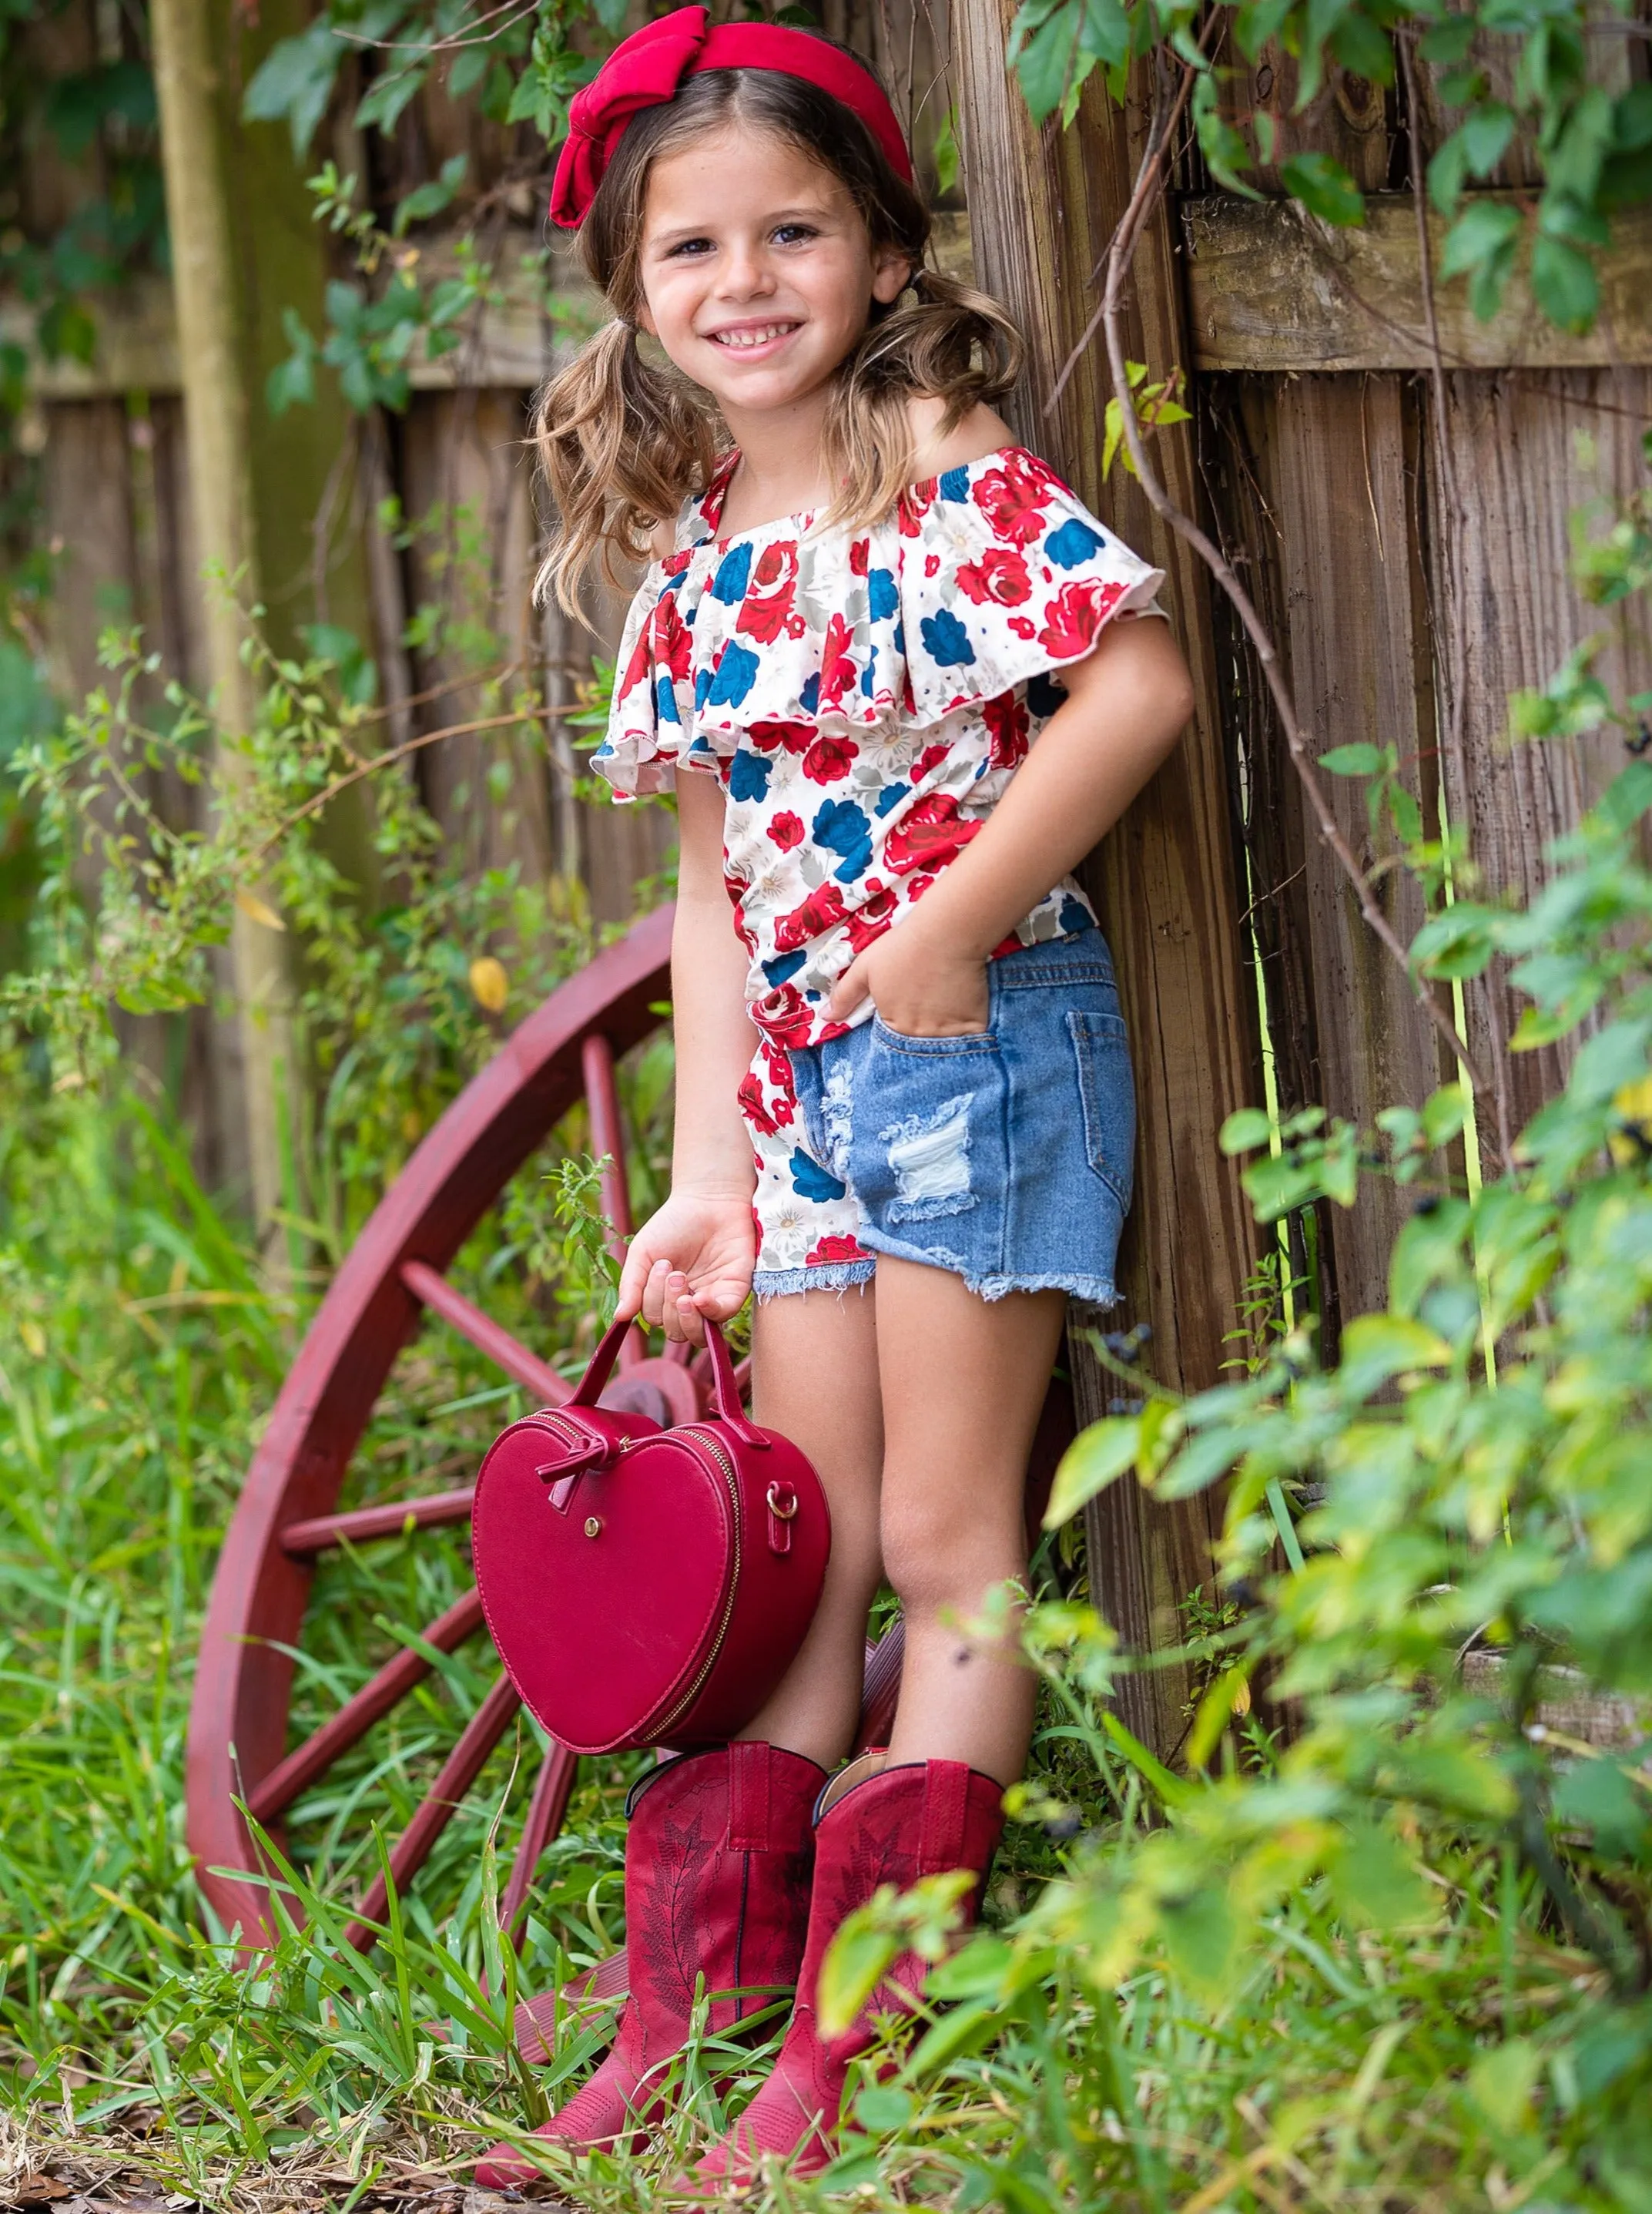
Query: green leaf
x=1377, y=1347
x=1361, y=760
x=1484, y=230
x=295, y=80
x=1376, y=1882
x=865, y=1945
x=426, y=200
x=1044, y=59
x=1565, y=284
x=1501, y=2083
x=945, y=153
x=884, y=2108
x=1245, y=1130
x=1096, y=1457
x=1325, y=188
x=1485, y=135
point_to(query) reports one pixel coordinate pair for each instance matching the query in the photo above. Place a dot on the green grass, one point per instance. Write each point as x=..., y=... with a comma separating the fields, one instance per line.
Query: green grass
x=137, y=1357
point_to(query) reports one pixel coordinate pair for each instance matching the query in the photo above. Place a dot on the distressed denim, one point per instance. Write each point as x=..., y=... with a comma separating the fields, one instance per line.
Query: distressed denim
x=1004, y=1156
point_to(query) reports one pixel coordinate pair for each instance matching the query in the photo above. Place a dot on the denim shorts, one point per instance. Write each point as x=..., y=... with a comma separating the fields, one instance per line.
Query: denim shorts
x=1004, y=1155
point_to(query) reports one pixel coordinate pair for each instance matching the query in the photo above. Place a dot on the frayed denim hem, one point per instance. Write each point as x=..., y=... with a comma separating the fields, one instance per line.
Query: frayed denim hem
x=1096, y=1290
x=827, y=1276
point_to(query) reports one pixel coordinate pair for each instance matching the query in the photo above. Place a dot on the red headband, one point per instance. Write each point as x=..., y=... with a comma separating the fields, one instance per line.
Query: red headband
x=647, y=68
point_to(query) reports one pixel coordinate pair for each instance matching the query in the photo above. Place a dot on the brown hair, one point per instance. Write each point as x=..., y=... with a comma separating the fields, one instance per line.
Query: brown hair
x=623, y=439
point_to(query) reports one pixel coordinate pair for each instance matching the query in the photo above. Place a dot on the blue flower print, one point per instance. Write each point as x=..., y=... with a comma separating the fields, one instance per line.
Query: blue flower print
x=883, y=600
x=947, y=639
x=748, y=775
x=665, y=702
x=734, y=574
x=732, y=679
x=891, y=797
x=785, y=965
x=1073, y=542
x=810, y=698
x=954, y=484
x=810, y=1181
x=1073, y=916
x=1044, y=695
x=842, y=827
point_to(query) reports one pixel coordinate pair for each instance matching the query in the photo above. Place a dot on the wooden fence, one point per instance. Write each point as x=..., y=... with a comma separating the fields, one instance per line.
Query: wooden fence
x=1400, y=516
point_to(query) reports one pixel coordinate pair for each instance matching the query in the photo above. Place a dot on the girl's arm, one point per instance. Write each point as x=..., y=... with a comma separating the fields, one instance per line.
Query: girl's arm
x=703, y=1233
x=1127, y=703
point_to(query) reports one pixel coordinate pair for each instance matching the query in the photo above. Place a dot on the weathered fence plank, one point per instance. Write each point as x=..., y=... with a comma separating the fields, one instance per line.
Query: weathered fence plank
x=1042, y=206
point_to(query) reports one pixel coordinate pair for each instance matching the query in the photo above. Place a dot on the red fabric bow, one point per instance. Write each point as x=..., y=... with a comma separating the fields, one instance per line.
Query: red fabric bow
x=646, y=69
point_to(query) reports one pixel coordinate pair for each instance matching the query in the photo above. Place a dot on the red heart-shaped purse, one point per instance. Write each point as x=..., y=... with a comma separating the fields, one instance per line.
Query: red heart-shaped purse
x=647, y=1586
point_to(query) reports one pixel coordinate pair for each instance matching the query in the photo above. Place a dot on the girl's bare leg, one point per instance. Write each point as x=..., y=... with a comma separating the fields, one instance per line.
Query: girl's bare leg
x=814, y=1366
x=963, y=1379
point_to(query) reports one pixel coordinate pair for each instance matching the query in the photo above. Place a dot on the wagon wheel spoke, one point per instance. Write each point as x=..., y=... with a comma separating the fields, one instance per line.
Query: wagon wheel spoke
x=607, y=1140
x=550, y=1803
x=392, y=1518
x=437, y=1808
x=357, y=1715
x=488, y=1336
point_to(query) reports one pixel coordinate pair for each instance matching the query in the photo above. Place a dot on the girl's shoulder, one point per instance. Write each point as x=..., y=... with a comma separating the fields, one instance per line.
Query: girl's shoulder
x=979, y=435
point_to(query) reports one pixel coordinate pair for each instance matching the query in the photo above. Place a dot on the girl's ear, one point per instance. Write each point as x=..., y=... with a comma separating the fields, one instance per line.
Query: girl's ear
x=891, y=274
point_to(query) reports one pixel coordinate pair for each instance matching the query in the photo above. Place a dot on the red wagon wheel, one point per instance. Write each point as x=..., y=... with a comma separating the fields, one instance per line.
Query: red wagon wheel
x=288, y=1518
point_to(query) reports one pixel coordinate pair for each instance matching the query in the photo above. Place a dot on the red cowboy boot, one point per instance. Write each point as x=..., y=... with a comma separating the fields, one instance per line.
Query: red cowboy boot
x=891, y=1826
x=716, y=1884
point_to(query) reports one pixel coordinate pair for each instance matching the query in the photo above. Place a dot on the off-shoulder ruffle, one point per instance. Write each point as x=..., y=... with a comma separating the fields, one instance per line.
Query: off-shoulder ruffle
x=983, y=579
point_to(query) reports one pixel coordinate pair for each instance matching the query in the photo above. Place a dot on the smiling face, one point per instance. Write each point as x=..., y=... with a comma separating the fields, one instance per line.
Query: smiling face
x=757, y=270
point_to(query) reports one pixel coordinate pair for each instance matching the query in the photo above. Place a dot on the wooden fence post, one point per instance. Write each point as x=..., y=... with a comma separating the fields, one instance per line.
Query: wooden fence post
x=1042, y=207
x=216, y=414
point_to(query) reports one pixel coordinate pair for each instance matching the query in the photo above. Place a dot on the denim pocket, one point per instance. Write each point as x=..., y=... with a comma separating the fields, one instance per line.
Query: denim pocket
x=959, y=1042
x=1108, y=1092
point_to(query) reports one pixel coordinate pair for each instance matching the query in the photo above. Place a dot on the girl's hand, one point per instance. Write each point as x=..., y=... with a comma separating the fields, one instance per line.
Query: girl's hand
x=918, y=987
x=692, y=1259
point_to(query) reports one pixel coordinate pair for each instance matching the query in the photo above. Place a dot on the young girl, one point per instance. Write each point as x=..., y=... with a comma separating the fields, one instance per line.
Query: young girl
x=905, y=1119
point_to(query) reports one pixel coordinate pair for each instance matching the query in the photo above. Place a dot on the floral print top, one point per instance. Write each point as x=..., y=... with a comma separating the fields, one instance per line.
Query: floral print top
x=864, y=700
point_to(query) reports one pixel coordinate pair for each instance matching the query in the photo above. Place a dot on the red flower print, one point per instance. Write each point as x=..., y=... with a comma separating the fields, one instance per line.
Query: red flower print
x=932, y=564
x=736, y=887
x=1006, y=722
x=828, y=759
x=929, y=837
x=918, y=886
x=931, y=757
x=669, y=636
x=845, y=1247
x=838, y=671
x=1023, y=627
x=783, y=1015
x=1013, y=498
x=773, y=737
x=912, y=507
x=639, y=670
x=872, y=918
x=766, y=610
x=1073, y=618
x=1010, y=944
x=752, y=1106
x=999, y=578
x=782, y=1083
x=787, y=830
x=860, y=556
x=822, y=910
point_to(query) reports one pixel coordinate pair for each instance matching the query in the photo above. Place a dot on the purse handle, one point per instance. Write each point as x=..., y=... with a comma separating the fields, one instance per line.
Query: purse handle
x=725, y=1395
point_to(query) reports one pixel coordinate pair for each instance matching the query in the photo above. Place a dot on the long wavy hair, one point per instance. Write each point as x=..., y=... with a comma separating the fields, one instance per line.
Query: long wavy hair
x=623, y=439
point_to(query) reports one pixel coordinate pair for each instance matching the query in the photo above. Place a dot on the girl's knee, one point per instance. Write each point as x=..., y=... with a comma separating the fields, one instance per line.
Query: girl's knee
x=938, y=1557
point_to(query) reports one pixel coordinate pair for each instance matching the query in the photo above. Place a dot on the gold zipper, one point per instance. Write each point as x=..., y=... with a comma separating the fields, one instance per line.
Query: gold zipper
x=710, y=1660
